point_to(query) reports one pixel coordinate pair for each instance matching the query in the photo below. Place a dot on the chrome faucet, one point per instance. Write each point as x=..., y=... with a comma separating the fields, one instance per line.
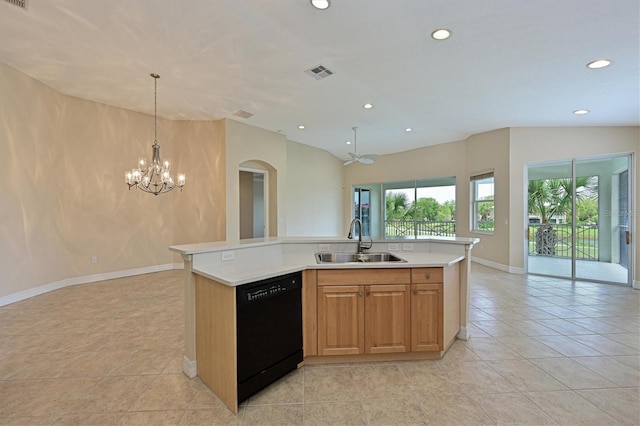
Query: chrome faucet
x=350, y=235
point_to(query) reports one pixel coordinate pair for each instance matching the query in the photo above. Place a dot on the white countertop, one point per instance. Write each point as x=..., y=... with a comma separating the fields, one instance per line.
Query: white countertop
x=257, y=242
x=237, y=273
x=240, y=262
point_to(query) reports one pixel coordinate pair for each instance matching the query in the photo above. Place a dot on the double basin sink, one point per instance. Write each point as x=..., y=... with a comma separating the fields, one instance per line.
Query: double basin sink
x=357, y=257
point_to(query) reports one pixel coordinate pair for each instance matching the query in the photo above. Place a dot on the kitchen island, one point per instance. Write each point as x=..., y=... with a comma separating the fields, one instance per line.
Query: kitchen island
x=353, y=311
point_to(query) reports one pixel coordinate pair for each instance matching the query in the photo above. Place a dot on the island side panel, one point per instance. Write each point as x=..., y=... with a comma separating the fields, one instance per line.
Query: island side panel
x=310, y=313
x=216, y=339
x=189, y=364
x=451, y=297
x=465, y=279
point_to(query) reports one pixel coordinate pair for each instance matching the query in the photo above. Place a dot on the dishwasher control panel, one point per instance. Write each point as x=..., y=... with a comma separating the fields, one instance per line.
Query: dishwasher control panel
x=271, y=287
x=265, y=292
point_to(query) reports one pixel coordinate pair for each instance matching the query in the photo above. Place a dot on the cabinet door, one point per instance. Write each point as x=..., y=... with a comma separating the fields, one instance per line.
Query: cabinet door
x=340, y=320
x=387, y=318
x=426, y=317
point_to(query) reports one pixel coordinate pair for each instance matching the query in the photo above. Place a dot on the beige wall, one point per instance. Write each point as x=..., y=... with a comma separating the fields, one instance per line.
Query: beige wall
x=302, y=173
x=482, y=152
x=245, y=143
x=199, y=210
x=485, y=152
x=447, y=159
x=314, y=190
x=64, y=199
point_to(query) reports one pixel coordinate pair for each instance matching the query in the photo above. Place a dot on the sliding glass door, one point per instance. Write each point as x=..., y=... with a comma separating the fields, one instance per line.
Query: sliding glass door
x=550, y=211
x=602, y=246
x=578, y=214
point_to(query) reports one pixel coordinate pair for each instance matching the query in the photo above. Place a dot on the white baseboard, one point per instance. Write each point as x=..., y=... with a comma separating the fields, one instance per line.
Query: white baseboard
x=22, y=295
x=463, y=334
x=498, y=266
x=189, y=367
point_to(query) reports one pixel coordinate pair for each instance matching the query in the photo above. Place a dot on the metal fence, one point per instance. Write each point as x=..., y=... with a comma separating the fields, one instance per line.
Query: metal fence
x=586, y=241
x=421, y=228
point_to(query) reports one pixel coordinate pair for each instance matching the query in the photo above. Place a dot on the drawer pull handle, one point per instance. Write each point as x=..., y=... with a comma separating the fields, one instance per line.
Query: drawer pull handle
x=361, y=293
x=415, y=292
x=428, y=276
x=368, y=293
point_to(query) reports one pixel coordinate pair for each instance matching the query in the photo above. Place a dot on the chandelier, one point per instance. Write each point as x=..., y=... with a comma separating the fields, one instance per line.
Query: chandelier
x=155, y=177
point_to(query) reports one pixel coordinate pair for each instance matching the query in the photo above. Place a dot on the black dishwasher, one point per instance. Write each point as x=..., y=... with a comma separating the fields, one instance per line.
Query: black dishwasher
x=269, y=331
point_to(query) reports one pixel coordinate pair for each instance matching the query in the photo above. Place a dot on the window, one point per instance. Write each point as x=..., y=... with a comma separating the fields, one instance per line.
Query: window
x=482, y=203
x=409, y=209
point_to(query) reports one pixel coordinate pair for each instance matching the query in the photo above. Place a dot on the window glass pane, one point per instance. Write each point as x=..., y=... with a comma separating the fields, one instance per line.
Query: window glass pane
x=482, y=209
x=436, y=207
x=399, y=209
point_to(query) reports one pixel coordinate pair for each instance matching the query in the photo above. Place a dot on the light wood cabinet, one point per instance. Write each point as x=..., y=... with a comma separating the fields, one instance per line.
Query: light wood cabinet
x=387, y=319
x=363, y=319
x=340, y=320
x=427, y=275
x=373, y=317
x=426, y=317
x=385, y=311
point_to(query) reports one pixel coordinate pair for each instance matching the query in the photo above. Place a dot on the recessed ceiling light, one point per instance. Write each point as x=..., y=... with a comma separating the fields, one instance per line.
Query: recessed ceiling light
x=348, y=142
x=301, y=127
x=321, y=4
x=441, y=34
x=408, y=129
x=367, y=106
x=581, y=111
x=600, y=63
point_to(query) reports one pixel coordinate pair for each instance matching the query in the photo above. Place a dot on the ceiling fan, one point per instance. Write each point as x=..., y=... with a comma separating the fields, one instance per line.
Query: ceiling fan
x=361, y=158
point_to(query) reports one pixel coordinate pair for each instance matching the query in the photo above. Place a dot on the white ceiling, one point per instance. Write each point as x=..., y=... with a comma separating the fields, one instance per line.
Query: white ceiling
x=509, y=63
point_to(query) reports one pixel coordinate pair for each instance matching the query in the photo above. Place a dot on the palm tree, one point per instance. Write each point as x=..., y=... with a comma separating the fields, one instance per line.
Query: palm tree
x=397, y=210
x=549, y=197
x=397, y=205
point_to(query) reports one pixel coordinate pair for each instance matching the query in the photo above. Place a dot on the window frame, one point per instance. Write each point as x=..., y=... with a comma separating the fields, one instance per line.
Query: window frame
x=476, y=201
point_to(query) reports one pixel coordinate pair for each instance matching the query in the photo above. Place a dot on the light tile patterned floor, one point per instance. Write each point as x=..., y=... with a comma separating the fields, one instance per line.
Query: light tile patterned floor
x=543, y=351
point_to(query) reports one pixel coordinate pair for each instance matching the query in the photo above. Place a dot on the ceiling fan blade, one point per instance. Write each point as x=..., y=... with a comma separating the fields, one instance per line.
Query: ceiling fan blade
x=346, y=163
x=354, y=156
x=370, y=156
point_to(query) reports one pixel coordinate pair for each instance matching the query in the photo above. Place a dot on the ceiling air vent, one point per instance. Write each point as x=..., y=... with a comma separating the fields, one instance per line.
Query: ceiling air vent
x=23, y=4
x=243, y=114
x=319, y=72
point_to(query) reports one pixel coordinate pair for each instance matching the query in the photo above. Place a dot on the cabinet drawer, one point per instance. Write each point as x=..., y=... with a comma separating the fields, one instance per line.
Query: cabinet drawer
x=426, y=275
x=364, y=276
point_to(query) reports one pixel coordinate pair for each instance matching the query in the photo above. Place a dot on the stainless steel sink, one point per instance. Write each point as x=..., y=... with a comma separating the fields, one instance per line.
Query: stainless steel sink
x=355, y=257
